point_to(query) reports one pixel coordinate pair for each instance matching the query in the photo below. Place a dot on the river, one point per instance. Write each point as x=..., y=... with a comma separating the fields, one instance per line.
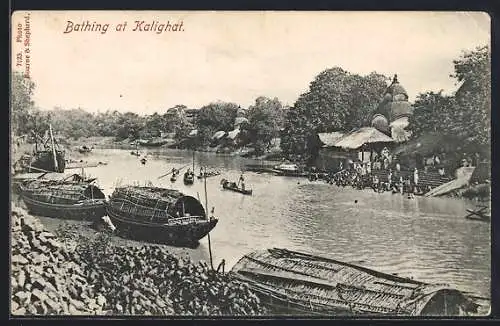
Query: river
x=425, y=238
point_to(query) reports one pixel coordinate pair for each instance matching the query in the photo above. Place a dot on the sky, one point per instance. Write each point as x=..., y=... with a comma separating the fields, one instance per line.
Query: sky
x=232, y=56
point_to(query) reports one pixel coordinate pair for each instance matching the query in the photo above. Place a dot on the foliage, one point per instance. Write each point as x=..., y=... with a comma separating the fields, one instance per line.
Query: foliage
x=22, y=103
x=263, y=123
x=214, y=117
x=466, y=115
x=473, y=99
x=431, y=113
x=336, y=101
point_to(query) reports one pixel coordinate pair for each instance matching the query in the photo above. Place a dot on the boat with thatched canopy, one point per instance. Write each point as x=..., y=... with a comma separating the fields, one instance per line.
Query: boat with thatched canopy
x=159, y=215
x=297, y=283
x=79, y=200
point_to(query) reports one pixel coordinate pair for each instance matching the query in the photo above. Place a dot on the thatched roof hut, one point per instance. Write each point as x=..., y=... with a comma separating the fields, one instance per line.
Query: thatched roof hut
x=363, y=136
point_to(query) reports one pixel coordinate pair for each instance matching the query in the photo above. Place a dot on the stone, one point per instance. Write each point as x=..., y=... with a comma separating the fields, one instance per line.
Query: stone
x=18, y=259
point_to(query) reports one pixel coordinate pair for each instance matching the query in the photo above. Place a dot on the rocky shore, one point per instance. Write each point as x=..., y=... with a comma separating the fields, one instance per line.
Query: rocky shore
x=67, y=273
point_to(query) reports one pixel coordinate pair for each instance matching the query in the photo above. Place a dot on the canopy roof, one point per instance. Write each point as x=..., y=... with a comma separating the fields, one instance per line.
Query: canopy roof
x=362, y=136
x=330, y=138
x=233, y=134
x=219, y=134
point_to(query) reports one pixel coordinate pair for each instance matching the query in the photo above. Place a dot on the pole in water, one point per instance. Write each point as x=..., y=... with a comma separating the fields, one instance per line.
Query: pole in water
x=208, y=218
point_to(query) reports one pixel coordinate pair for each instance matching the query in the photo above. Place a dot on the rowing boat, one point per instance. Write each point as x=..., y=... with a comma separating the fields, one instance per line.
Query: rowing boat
x=208, y=174
x=234, y=187
x=289, y=282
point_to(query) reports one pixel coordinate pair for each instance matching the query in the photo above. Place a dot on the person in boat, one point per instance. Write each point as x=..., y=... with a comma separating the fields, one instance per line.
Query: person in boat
x=242, y=181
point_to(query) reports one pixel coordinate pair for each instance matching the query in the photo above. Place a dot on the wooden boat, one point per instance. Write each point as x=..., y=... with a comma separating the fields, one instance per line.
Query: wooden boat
x=188, y=178
x=73, y=199
x=289, y=170
x=84, y=149
x=45, y=158
x=481, y=213
x=49, y=177
x=153, y=142
x=234, y=187
x=289, y=282
x=208, y=174
x=159, y=215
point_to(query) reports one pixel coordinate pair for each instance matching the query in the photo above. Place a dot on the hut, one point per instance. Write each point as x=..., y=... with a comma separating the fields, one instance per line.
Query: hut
x=365, y=141
x=330, y=156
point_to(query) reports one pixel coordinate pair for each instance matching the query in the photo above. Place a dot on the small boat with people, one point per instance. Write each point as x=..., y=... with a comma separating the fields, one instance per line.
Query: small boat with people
x=159, y=215
x=297, y=283
x=207, y=174
x=236, y=187
x=188, y=177
x=78, y=198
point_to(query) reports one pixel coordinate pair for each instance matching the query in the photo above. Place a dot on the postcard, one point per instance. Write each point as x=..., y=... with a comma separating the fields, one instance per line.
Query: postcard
x=260, y=163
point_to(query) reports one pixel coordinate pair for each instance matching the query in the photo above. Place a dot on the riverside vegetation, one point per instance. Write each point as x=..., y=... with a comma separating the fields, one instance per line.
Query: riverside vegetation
x=67, y=273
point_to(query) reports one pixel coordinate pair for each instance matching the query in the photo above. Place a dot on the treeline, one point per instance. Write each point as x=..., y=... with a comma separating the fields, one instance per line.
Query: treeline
x=262, y=120
x=340, y=101
x=336, y=101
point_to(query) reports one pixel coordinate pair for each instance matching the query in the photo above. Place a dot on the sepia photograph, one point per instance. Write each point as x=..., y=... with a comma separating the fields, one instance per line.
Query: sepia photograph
x=258, y=163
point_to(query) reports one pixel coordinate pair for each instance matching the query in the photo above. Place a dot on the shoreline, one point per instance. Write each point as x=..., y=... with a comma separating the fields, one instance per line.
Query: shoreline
x=61, y=272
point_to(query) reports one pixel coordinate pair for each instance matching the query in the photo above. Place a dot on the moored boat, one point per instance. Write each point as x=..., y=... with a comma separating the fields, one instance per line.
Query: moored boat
x=85, y=149
x=208, y=174
x=188, y=178
x=289, y=282
x=159, y=215
x=291, y=170
x=234, y=187
x=76, y=199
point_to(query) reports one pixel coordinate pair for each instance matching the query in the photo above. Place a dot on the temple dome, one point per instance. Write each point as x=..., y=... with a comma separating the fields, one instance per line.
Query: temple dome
x=380, y=123
x=394, y=104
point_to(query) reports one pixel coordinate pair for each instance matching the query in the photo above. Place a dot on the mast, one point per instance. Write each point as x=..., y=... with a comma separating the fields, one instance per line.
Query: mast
x=208, y=218
x=193, y=167
x=56, y=167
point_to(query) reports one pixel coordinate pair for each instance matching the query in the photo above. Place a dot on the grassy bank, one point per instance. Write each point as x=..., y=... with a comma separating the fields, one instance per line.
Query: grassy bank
x=65, y=272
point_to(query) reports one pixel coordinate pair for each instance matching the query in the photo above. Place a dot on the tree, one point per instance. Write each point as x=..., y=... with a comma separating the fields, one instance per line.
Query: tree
x=473, y=99
x=263, y=122
x=336, y=101
x=213, y=117
x=22, y=103
x=432, y=112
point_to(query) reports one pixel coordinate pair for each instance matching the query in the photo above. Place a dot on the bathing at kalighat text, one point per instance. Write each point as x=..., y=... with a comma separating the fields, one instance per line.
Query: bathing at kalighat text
x=137, y=26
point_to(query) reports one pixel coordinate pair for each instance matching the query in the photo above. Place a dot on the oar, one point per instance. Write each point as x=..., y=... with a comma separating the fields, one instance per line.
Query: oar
x=162, y=176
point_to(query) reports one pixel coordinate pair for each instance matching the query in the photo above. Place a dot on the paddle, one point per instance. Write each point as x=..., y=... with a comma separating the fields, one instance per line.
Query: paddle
x=162, y=176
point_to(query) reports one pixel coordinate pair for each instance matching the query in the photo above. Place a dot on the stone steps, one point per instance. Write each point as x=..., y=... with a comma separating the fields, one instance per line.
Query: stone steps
x=425, y=179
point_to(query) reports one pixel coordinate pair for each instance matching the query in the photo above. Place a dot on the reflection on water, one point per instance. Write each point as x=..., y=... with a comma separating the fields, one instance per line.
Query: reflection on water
x=424, y=238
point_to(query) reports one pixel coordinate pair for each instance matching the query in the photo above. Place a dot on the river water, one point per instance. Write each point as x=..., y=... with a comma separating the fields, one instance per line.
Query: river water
x=425, y=238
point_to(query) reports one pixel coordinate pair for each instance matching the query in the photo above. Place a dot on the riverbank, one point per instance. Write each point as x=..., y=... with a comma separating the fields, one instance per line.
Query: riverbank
x=65, y=272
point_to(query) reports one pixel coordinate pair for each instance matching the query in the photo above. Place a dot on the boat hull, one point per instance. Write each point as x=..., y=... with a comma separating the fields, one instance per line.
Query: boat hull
x=290, y=282
x=241, y=191
x=89, y=211
x=187, y=233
